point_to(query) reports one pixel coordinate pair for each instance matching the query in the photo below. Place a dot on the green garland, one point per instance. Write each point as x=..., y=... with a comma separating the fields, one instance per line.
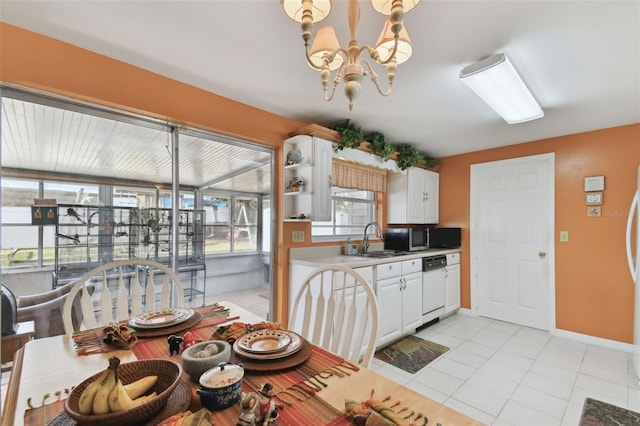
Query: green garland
x=351, y=136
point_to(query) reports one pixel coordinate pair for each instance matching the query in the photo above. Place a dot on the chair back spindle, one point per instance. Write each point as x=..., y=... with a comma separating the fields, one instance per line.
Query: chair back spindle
x=133, y=277
x=336, y=308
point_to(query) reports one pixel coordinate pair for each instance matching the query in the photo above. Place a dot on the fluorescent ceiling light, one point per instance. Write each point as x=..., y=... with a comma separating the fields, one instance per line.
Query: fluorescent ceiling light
x=497, y=82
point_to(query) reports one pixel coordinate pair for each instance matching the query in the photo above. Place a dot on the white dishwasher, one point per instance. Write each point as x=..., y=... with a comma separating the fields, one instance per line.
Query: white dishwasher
x=433, y=287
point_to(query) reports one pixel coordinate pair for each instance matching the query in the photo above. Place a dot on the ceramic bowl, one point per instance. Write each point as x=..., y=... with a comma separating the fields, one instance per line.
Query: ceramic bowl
x=220, y=387
x=203, y=356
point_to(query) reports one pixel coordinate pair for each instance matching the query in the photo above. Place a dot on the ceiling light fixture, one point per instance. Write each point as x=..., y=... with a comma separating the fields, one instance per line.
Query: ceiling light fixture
x=497, y=82
x=326, y=55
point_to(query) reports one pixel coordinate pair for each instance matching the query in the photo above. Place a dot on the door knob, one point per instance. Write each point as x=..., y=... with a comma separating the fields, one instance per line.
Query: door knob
x=542, y=254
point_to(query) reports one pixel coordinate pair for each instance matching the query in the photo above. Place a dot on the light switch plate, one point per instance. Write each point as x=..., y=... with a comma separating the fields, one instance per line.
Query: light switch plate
x=564, y=236
x=297, y=236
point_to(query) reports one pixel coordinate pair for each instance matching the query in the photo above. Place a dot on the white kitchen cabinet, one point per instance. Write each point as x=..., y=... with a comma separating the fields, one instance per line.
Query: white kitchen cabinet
x=452, y=283
x=399, y=294
x=313, y=200
x=413, y=196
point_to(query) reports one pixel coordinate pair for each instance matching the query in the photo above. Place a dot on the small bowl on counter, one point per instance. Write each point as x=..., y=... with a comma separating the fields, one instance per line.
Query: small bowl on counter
x=203, y=356
x=220, y=387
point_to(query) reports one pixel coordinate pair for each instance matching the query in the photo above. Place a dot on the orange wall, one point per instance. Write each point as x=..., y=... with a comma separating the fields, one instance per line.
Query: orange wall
x=594, y=290
x=31, y=60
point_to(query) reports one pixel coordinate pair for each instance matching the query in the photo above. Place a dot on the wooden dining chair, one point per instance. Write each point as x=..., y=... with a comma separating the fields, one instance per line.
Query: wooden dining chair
x=122, y=290
x=336, y=308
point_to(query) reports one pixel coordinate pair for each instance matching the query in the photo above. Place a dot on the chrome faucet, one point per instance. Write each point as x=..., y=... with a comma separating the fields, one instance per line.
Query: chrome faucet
x=365, y=238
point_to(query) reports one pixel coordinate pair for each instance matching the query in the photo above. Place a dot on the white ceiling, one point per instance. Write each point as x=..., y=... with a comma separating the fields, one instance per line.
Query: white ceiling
x=581, y=60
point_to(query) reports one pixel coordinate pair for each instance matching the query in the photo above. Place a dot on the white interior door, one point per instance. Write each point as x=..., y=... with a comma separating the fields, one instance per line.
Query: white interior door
x=512, y=228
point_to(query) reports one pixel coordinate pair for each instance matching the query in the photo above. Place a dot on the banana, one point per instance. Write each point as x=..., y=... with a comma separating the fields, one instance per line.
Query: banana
x=144, y=398
x=119, y=399
x=85, y=402
x=101, y=400
x=140, y=387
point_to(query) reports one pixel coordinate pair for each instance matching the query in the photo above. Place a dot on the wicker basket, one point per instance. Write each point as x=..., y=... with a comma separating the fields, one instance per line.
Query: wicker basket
x=168, y=373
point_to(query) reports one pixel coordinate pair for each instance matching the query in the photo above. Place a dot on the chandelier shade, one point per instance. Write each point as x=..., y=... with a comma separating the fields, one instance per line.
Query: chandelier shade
x=326, y=55
x=498, y=83
x=384, y=6
x=325, y=43
x=295, y=8
x=386, y=41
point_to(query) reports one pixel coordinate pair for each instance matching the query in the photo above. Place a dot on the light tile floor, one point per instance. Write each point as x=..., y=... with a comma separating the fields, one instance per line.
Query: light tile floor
x=507, y=375
x=500, y=373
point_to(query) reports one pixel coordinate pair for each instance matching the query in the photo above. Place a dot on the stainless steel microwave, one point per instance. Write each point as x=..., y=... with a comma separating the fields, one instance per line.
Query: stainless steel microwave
x=412, y=238
x=443, y=237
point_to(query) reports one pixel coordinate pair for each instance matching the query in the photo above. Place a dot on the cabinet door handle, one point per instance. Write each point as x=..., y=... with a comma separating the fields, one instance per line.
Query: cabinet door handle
x=330, y=181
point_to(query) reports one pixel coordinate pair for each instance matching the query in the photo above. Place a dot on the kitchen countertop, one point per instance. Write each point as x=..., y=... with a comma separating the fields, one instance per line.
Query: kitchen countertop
x=326, y=255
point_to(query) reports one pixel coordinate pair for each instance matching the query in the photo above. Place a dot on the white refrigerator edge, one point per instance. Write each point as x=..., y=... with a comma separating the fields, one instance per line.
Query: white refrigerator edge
x=633, y=258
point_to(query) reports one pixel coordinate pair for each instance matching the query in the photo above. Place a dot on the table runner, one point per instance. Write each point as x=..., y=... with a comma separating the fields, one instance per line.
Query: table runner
x=294, y=389
x=89, y=342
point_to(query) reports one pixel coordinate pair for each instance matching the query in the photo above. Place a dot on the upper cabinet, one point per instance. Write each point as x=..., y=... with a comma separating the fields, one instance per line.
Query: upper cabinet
x=413, y=196
x=307, y=158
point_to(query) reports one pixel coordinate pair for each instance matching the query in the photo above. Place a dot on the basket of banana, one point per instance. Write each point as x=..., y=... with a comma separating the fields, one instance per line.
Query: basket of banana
x=124, y=394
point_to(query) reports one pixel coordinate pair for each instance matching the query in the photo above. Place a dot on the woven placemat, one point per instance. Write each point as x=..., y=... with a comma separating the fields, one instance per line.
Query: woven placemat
x=178, y=402
x=274, y=364
x=143, y=333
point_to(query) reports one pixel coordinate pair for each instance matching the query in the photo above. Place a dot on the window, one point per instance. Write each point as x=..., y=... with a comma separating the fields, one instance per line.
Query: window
x=232, y=223
x=72, y=193
x=245, y=226
x=25, y=245
x=351, y=210
x=112, y=151
x=20, y=240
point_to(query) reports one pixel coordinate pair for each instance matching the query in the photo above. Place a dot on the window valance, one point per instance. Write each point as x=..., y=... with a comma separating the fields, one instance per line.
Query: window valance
x=347, y=174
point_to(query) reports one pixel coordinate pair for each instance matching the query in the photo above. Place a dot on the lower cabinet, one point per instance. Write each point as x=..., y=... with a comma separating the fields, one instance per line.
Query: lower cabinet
x=399, y=294
x=452, y=284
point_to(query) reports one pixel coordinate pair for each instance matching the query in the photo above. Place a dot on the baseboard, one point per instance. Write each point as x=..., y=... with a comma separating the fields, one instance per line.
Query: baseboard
x=577, y=337
x=592, y=340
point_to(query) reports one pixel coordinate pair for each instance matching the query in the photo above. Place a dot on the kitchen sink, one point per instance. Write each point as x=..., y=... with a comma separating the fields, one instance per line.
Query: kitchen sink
x=383, y=253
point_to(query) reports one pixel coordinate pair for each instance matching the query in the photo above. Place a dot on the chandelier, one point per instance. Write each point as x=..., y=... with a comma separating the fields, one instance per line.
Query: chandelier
x=326, y=55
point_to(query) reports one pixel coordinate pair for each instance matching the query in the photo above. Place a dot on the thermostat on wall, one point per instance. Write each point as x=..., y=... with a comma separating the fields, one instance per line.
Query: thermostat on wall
x=594, y=183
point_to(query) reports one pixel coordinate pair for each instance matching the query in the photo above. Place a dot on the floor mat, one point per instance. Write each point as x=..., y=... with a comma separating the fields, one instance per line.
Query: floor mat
x=598, y=413
x=410, y=353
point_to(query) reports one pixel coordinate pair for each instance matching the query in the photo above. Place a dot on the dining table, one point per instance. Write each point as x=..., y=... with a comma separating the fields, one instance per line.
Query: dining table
x=312, y=387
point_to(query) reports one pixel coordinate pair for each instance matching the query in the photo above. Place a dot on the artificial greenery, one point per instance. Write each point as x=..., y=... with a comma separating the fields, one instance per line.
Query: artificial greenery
x=408, y=156
x=351, y=136
x=380, y=146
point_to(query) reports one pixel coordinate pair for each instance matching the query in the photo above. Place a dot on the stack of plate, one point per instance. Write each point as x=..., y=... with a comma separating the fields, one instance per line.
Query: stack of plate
x=161, y=318
x=268, y=344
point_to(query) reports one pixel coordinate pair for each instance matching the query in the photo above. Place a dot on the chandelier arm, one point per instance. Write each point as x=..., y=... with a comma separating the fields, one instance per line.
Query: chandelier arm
x=325, y=73
x=374, y=77
x=374, y=53
x=329, y=56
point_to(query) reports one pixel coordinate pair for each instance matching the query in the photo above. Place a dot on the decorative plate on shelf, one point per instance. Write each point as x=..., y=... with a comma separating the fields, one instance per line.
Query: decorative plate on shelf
x=265, y=341
x=161, y=318
x=294, y=157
